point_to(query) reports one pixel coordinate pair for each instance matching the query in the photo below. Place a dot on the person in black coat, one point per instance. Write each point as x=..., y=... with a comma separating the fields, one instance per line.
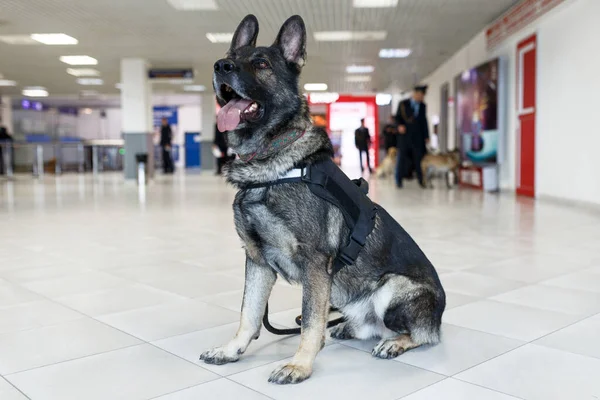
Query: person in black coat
x=390, y=131
x=5, y=141
x=413, y=134
x=166, y=137
x=362, y=140
x=220, y=143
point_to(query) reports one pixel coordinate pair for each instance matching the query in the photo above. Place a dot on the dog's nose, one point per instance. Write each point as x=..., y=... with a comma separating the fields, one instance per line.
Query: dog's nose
x=224, y=66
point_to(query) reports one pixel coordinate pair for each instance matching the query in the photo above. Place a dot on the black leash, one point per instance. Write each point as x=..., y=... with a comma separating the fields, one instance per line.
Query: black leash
x=296, y=331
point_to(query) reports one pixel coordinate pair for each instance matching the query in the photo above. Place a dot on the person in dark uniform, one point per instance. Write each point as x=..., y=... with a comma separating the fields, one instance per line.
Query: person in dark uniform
x=5, y=140
x=166, y=137
x=220, y=143
x=362, y=140
x=413, y=133
x=390, y=131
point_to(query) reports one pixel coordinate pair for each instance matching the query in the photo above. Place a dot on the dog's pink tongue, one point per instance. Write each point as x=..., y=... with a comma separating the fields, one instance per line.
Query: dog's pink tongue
x=228, y=117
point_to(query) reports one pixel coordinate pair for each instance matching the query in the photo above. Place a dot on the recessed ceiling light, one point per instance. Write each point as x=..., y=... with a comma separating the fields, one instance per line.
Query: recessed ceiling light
x=219, y=37
x=394, y=53
x=53, y=39
x=360, y=69
x=79, y=60
x=35, y=91
x=315, y=87
x=192, y=5
x=323, y=98
x=358, y=78
x=374, y=3
x=383, y=99
x=194, y=88
x=346, y=36
x=90, y=81
x=18, y=39
x=83, y=72
x=6, y=82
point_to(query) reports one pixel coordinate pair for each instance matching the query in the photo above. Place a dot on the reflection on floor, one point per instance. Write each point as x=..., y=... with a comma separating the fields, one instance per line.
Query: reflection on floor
x=108, y=294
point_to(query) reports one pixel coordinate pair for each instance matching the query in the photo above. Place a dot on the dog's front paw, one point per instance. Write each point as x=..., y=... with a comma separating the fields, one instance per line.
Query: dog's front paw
x=220, y=356
x=387, y=349
x=290, y=373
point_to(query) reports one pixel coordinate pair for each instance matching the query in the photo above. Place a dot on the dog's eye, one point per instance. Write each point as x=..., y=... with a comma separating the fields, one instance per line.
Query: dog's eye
x=261, y=64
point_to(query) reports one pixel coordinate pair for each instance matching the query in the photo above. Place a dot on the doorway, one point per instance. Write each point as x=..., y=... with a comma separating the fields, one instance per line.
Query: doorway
x=526, y=110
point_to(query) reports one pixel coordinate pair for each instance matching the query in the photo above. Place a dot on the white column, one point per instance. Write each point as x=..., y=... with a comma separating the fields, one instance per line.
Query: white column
x=6, y=113
x=209, y=109
x=136, y=114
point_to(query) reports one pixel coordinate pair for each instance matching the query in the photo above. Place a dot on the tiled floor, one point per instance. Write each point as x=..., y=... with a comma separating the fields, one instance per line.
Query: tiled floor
x=106, y=293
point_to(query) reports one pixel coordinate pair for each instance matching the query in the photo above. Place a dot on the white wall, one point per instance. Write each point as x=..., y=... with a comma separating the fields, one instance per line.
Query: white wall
x=568, y=104
x=567, y=69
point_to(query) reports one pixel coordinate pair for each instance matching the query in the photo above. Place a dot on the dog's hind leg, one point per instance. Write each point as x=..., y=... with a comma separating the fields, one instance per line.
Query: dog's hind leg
x=414, y=314
x=315, y=309
x=257, y=289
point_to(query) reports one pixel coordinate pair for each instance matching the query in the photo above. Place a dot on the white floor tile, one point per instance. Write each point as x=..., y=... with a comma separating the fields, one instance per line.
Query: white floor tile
x=509, y=320
x=52, y=344
x=568, y=301
x=452, y=389
x=117, y=300
x=579, y=281
x=34, y=315
x=456, y=299
x=267, y=349
x=581, y=338
x=11, y=294
x=139, y=372
x=8, y=392
x=536, y=372
x=221, y=389
x=84, y=282
x=477, y=285
x=176, y=318
x=342, y=372
x=282, y=298
x=21, y=275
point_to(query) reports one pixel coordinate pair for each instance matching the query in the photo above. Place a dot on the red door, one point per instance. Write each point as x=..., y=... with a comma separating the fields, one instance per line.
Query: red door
x=526, y=72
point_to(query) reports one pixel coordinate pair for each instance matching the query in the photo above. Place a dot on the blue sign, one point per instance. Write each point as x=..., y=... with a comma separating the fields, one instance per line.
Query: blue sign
x=168, y=112
x=32, y=105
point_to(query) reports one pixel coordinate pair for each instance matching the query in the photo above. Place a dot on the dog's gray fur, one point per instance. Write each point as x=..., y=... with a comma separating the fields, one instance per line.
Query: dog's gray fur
x=392, y=291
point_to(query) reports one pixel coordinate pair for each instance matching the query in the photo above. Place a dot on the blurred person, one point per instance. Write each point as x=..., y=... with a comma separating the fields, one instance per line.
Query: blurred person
x=220, y=150
x=5, y=140
x=166, y=138
x=390, y=131
x=413, y=134
x=362, y=140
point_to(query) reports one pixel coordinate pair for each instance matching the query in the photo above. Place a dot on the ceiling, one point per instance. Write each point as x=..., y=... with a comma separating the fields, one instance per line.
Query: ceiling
x=166, y=37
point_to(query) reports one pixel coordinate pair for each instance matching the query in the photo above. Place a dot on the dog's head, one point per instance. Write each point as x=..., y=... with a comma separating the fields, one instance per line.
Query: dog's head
x=257, y=87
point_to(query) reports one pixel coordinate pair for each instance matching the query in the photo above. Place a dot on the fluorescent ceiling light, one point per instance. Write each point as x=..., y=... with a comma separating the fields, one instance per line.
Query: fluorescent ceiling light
x=17, y=39
x=219, y=37
x=358, y=78
x=53, y=39
x=360, y=69
x=79, y=60
x=35, y=91
x=315, y=87
x=6, y=82
x=323, y=98
x=194, y=88
x=90, y=81
x=86, y=111
x=374, y=3
x=383, y=99
x=346, y=36
x=394, y=53
x=83, y=72
x=192, y=5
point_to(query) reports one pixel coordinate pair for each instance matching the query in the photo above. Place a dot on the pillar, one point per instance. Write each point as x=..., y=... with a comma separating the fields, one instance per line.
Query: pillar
x=6, y=114
x=209, y=119
x=136, y=114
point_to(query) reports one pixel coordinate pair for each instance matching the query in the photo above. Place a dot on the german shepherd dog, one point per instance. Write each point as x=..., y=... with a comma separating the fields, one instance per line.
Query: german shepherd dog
x=391, y=292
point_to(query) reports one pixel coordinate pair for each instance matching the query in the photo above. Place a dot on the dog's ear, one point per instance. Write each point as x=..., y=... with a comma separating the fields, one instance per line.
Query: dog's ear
x=245, y=34
x=291, y=40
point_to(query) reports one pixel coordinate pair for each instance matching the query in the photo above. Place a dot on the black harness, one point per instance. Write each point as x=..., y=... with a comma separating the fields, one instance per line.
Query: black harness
x=327, y=181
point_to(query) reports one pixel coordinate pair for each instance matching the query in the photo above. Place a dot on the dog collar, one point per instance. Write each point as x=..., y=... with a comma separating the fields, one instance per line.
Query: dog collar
x=273, y=146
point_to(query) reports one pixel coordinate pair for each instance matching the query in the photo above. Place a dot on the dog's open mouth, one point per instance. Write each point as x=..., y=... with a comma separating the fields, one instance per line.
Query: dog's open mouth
x=237, y=109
